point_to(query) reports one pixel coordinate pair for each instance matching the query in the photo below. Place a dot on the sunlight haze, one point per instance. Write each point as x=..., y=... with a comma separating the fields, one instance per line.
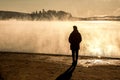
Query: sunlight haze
x=78, y=8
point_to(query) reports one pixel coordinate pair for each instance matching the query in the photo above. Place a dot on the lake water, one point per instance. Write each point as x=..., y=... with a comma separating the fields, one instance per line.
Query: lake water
x=100, y=38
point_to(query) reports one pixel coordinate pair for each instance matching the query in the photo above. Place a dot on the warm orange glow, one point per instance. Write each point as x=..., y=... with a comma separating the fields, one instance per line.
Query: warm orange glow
x=100, y=38
x=78, y=8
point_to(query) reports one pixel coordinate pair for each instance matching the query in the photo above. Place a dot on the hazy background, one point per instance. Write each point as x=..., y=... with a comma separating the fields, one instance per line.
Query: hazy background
x=100, y=38
x=78, y=8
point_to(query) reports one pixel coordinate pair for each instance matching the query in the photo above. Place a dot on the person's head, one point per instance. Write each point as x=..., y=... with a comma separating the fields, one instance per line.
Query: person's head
x=75, y=27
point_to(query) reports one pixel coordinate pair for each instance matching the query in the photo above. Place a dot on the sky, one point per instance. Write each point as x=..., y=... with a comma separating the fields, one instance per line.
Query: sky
x=78, y=8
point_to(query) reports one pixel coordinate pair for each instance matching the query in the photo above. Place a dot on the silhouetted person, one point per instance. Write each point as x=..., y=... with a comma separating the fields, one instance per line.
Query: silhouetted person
x=75, y=39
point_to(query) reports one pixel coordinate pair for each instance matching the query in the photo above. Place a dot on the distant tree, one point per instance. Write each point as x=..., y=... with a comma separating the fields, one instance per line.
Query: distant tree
x=63, y=15
x=36, y=15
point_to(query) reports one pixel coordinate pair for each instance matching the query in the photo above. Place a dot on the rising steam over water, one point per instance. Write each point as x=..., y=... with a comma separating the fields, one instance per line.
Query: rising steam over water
x=100, y=38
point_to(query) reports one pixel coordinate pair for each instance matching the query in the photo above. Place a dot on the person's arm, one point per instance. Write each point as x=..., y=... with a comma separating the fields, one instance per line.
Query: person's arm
x=69, y=38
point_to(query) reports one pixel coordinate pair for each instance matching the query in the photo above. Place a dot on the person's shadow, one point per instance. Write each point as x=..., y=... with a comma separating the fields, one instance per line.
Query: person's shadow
x=68, y=73
x=1, y=78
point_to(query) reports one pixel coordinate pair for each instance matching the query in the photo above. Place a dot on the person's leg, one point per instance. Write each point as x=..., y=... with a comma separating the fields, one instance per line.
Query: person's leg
x=73, y=56
x=76, y=57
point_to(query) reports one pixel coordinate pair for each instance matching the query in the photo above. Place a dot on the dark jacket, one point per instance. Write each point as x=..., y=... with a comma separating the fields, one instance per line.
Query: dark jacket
x=75, y=39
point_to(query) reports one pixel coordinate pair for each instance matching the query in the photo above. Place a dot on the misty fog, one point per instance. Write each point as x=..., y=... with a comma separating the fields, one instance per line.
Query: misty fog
x=100, y=38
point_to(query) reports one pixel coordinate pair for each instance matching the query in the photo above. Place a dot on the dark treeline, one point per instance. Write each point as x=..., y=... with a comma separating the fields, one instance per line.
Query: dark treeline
x=50, y=15
x=6, y=15
x=37, y=15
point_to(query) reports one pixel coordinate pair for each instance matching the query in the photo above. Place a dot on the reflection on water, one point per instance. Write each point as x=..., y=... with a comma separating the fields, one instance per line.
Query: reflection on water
x=85, y=62
x=95, y=62
x=100, y=38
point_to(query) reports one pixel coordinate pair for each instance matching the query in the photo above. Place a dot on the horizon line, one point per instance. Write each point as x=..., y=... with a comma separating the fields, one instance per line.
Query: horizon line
x=61, y=55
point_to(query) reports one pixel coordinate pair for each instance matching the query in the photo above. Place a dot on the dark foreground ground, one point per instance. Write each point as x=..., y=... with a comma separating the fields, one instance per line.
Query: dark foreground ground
x=46, y=67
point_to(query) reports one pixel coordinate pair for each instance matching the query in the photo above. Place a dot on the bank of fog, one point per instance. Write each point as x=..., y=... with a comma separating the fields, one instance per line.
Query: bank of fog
x=100, y=38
